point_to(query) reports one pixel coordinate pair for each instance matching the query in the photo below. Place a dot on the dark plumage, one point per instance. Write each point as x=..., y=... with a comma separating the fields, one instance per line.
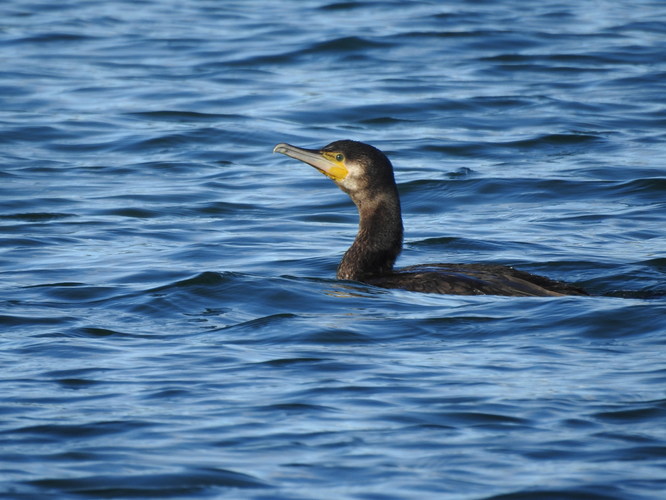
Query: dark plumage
x=366, y=175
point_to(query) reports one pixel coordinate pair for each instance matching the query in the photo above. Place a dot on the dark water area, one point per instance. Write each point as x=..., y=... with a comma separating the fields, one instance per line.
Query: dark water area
x=170, y=325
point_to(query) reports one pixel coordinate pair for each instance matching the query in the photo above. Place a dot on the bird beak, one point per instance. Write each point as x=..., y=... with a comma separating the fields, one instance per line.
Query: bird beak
x=324, y=161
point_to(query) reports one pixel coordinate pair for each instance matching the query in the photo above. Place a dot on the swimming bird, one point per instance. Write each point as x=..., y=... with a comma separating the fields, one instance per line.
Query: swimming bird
x=366, y=175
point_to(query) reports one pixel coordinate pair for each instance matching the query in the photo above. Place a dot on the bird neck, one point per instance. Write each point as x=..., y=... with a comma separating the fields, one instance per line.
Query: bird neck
x=379, y=239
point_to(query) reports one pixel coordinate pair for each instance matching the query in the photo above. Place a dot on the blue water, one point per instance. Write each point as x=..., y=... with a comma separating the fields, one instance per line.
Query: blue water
x=170, y=322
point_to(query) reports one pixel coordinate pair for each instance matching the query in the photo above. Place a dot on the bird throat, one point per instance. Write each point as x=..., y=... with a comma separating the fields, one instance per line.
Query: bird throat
x=378, y=241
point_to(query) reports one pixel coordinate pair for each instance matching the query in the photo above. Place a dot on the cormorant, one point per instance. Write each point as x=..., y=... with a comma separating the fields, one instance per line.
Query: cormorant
x=366, y=175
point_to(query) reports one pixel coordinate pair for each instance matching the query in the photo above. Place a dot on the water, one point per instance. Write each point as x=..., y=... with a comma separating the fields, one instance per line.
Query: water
x=171, y=327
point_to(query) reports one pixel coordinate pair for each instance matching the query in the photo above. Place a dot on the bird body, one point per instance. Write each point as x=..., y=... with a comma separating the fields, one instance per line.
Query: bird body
x=366, y=175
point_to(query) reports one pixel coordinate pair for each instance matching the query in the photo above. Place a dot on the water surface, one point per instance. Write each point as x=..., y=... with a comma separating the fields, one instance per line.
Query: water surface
x=170, y=322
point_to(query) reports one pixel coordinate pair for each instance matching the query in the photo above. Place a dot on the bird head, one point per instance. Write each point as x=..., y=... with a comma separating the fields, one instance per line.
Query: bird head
x=357, y=168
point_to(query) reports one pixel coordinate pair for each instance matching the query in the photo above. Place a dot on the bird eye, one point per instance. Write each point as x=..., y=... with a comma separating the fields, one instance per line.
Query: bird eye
x=339, y=157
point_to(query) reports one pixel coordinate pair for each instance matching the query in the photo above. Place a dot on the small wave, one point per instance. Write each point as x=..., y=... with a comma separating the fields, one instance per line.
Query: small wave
x=164, y=485
x=183, y=116
x=37, y=216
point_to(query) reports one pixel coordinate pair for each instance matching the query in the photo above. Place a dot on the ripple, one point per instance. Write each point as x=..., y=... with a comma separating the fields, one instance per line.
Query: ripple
x=572, y=493
x=36, y=217
x=186, y=482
